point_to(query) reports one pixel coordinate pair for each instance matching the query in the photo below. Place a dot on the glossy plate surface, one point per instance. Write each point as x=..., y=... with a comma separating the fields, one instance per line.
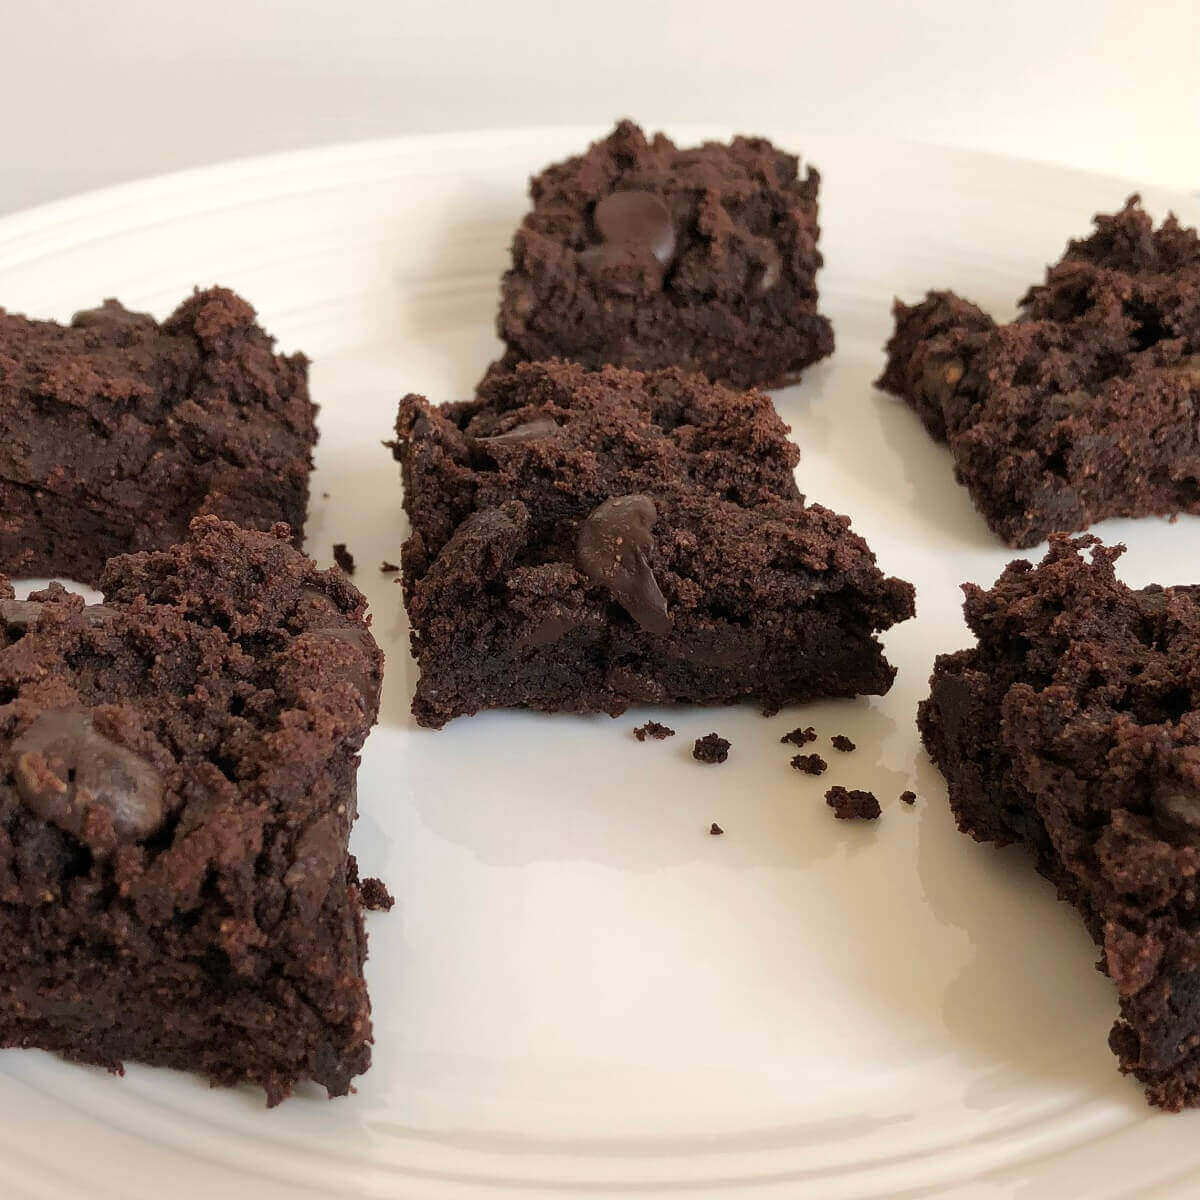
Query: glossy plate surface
x=580, y=992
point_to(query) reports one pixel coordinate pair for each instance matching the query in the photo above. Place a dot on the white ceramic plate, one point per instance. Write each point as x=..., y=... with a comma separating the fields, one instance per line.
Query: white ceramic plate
x=580, y=992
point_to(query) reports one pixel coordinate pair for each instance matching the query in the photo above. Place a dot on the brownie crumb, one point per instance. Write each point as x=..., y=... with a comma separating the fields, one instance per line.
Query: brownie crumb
x=653, y=730
x=908, y=797
x=712, y=748
x=715, y=829
x=375, y=895
x=798, y=736
x=810, y=764
x=841, y=742
x=388, y=568
x=343, y=557
x=324, y=495
x=852, y=806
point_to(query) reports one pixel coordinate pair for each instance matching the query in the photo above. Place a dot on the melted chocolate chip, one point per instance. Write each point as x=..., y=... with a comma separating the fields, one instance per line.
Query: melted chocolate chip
x=313, y=606
x=637, y=219
x=64, y=769
x=611, y=549
x=527, y=431
x=358, y=672
x=1177, y=808
x=16, y=616
x=112, y=314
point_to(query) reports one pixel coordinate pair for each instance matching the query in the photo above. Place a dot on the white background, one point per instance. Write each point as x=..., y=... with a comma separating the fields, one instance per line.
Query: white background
x=96, y=92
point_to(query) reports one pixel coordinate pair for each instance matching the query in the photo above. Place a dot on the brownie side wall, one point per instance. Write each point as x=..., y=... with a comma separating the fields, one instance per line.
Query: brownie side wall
x=43, y=535
x=1154, y=1036
x=100, y=980
x=596, y=671
x=115, y=431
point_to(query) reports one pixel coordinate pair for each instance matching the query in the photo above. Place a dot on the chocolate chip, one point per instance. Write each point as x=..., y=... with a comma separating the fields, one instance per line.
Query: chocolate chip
x=357, y=671
x=1177, y=808
x=112, y=314
x=64, y=769
x=527, y=431
x=16, y=616
x=611, y=549
x=314, y=606
x=636, y=219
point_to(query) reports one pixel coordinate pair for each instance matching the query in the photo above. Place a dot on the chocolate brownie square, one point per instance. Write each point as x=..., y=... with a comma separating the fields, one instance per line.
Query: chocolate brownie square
x=115, y=431
x=177, y=787
x=641, y=254
x=1087, y=405
x=1073, y=729
x=587, y=540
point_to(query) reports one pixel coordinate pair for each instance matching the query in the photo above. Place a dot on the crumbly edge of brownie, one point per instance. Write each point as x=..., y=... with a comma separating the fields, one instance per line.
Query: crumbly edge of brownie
x=195, y=415
x=237, y=918
x=734, y=297
x=1067, y=730
x=1082, y=408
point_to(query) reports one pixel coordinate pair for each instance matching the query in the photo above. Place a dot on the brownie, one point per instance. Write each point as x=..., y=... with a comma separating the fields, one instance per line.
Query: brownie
x=841, y=742
x=1087, y=405
x=853, y=805
x=177, y=787
x=1073, y=728
x=587, y=540
x=712, y=748
x=115, y=431
x=641, y=254
x=908, y=797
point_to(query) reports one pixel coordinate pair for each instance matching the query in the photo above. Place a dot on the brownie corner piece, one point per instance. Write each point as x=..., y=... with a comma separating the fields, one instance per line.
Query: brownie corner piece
x=177, y=789
x=584, y=541
x=116, y=430
x=1072, y=728
x=642, y=254
x=1085, y=406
